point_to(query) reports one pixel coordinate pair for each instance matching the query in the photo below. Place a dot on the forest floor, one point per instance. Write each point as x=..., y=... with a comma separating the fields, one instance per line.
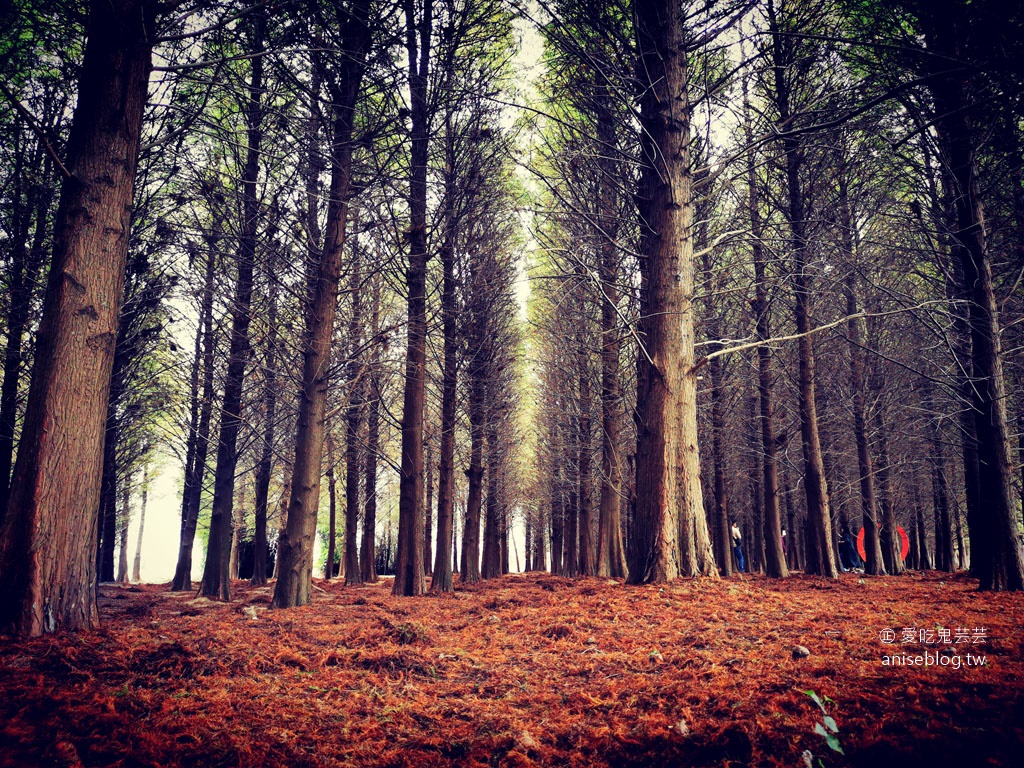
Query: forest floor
x=529, y=670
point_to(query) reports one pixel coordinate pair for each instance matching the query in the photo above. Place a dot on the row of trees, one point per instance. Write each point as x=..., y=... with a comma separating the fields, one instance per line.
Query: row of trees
x=270, y=178
x=843, y=240
x=284, y=242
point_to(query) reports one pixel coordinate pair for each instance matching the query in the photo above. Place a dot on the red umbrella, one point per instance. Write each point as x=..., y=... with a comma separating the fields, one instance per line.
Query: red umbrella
x=904, y=543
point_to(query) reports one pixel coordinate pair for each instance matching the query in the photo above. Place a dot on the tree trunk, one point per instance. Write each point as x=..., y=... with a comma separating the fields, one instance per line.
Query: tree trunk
x=428, y=523
x=997, y=559
x=409, y=564
x=823, y=562
x=26, y=263
x=557, y=521
x=137, y=563
x=122, y=535
x=873, y=562
x=667, y=463
x=923, y=560
x=940, y=488
x=108, y=504
x=195, y=472
x=367, y=554
x=890, y=539
x=295, y=550
x=491, y=566
x=266, y=465
x=611, y=557
x=475, y=473
x=586, y=542
x=442, y=581
x=353, y=423
x=776, y=565
x=571, y=509
x=48, y=540
x=332, y=516
x=217, y=570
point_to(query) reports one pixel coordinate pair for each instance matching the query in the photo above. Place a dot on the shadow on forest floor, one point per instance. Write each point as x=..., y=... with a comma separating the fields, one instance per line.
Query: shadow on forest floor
x=529, y=670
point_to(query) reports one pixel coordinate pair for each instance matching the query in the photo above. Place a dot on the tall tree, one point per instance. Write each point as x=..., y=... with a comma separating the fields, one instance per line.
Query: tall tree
x=784, y=52
x=47, y=550
x=198, y=439
x=295, y=551
x=873, y=564
x=353, y=423
x=216, y=572
x=409, y=575
x=948, y=32
x=667, y=463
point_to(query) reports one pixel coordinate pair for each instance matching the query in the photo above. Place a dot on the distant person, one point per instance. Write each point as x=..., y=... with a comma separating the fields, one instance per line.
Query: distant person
x=848, y=557
x=737, y=547
x=785, y=546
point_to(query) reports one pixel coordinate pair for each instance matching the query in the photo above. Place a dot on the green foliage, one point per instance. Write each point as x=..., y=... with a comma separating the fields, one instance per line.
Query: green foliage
x=828, y=729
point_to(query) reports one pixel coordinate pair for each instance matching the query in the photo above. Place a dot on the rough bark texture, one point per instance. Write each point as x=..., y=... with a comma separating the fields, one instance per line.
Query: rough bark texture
x=48, y=540
x=295, y=551
x=667, y=466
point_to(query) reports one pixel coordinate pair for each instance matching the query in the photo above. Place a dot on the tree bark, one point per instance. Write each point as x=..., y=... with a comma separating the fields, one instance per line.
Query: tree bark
x=815, y=487
x=48, y=540
x=108, y=504
x=266, y=465
x=889, y=539
x=586, y=541
x=122, y=535
x=367, y=554
x=428, y=522
x=295, y=551
x=442, y=580
x=997, y=559
x=611, y=556
x=217, y=569
x=873, y=562
x=475, y=473
x=353, y=422
x=667, y=462
x=332, y=516
x=491, y=566
x=409, y=576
